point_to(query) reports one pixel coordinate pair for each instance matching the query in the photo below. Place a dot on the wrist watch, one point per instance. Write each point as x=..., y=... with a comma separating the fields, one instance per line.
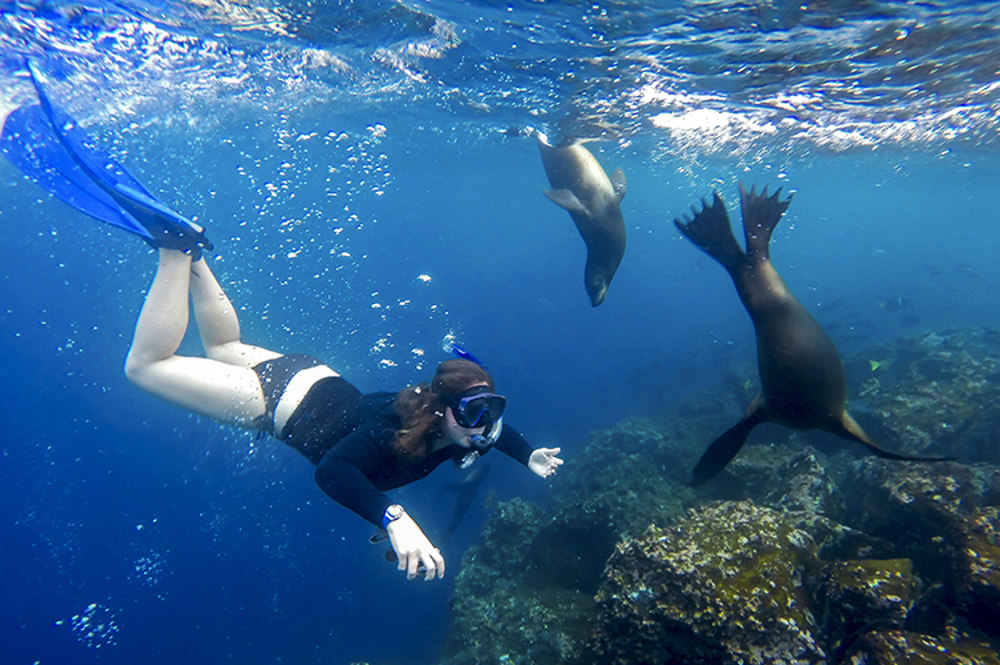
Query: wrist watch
x=391, y=514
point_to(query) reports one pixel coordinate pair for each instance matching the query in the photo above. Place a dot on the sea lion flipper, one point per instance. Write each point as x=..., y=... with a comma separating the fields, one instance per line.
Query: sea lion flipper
x=761, y=214
x=618, y=183
x=566, y=199
x=724, y=448
x=850, y=429
x=709, y=228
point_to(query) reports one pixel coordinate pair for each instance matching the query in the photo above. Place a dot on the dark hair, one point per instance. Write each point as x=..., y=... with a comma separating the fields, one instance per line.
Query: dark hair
x=421, y=407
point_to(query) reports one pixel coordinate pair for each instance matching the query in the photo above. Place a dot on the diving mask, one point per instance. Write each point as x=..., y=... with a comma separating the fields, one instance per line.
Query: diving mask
x=477, y=407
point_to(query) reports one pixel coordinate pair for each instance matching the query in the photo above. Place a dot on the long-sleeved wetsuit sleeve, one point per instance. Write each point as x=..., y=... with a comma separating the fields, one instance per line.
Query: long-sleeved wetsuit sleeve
x=513, y=444
x=341, y=474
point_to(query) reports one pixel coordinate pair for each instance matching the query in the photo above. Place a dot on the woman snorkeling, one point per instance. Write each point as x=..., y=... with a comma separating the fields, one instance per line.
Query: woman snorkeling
x=361, y=444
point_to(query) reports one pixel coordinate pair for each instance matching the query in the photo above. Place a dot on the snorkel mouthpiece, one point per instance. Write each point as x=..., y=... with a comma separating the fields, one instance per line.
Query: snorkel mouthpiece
x=483, y=442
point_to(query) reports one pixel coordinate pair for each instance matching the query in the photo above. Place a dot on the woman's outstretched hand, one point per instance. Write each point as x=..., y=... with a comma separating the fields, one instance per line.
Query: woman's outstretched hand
x=545, y=461
x=413, y=549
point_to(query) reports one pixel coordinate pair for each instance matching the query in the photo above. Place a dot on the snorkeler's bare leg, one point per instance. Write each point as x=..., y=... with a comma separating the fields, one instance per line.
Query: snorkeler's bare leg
x=209, y=387
x=220, y=335
x=218, y=324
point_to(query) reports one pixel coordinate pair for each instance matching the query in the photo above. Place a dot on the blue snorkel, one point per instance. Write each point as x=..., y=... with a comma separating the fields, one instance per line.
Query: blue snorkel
x=449, y=346
x=480, y=442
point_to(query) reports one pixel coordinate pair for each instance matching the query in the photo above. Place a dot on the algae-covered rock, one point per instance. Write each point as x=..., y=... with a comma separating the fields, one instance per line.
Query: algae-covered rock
x=525, y=591
x=977, y=563
x=936, y=393
x=917, y=506
x=570, y=554
x=899, y=647
x=534, y=627
x=804, y=483
x=506, y=611
x=935, y=514
x=501, y=555
x=722, y=585
x=836, y=559
x=753, y=472
x=629, y=476
x=857, y=594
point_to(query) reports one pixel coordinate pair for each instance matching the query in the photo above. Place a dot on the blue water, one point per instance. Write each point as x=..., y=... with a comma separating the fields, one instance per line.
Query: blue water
x=361, y=169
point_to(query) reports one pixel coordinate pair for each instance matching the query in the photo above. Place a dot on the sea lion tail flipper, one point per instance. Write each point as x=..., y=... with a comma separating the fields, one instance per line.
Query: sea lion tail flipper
x=566, y=199
x=709, y=228
x=852, y=430
x=618, y=183
x=724, y=448
x=761, y=214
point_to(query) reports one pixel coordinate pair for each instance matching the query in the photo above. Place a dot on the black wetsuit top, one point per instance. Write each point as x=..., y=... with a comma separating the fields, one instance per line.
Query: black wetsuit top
x=349, y=436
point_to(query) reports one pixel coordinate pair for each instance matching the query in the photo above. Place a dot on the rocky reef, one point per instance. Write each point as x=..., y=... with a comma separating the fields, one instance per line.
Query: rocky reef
x=937, y=392
x=803, y=550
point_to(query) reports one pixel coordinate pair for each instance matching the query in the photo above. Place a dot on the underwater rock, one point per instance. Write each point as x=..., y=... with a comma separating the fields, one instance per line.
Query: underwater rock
x=860, y=594
x=938, y=518
x=570, y=553
x=803, y=483
x=522, y=626
x=751, y=474
x=977, y=566
x=899, y=647
x=630, y=476
x=502, y=551
x=792, y=477
x=936, y=393
x=547, y=566
x=723, y=585
x=917, y=506
x=500, y=613
x=810, y=557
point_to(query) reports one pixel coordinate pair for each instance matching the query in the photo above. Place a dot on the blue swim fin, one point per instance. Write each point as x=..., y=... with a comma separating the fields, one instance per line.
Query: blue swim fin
x=49, y=147
x=29, y=143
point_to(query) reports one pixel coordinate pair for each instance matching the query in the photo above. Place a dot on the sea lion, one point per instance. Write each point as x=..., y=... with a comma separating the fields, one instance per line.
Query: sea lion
x=581, y=186
x=801, y=374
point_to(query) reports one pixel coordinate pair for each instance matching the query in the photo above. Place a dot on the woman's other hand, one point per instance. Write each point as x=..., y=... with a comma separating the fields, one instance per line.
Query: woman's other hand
x=413, y=549
x=545, y=461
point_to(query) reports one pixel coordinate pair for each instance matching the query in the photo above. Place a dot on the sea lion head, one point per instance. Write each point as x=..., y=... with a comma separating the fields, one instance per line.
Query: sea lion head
x=597, y=281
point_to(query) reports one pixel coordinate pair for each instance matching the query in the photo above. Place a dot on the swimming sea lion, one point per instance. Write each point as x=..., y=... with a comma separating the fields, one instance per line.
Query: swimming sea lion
x=801, y=373
x=581, y=186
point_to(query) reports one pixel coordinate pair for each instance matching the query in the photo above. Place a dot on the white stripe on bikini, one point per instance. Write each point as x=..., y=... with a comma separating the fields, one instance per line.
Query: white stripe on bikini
x=294, y=393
